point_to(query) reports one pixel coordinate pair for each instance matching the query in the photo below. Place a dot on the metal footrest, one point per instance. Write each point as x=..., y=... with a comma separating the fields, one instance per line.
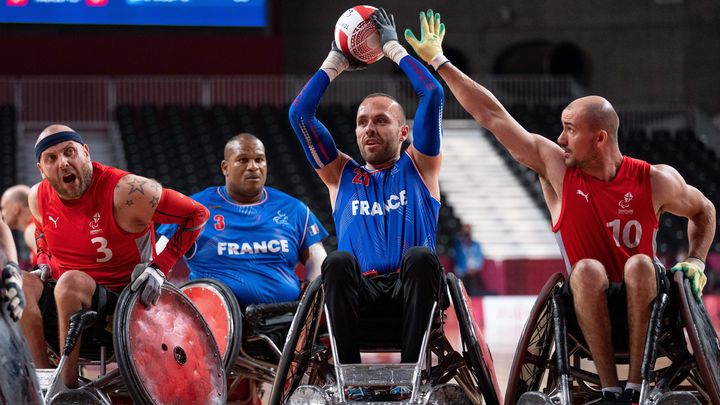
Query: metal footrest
x=378, y=374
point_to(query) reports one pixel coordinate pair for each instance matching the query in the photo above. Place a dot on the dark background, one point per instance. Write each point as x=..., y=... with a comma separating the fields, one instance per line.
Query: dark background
x=632, y=52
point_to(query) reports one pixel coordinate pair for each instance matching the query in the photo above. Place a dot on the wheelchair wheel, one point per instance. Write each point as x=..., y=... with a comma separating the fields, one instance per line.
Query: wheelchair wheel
x=532, y=357
x=703, y=339
x=298, y=349
x=221, y=311
x=475, y=351
x=18, y=380
x=165, y=352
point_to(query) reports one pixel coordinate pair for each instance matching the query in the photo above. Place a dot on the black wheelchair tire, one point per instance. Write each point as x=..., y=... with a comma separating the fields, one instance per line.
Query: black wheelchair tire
x=471, y=350
x=537, y=332
x=703, y=339
x=307, y=318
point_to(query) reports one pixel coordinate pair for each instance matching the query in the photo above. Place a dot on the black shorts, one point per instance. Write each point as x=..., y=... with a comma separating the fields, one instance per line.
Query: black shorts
x=103, y=302
x=617, y=307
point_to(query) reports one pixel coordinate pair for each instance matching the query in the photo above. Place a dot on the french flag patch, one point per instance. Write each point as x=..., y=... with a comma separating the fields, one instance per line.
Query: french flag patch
x=314, y=230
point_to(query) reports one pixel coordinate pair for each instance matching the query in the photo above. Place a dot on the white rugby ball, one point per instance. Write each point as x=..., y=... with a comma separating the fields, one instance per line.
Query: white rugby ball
x=356, y=35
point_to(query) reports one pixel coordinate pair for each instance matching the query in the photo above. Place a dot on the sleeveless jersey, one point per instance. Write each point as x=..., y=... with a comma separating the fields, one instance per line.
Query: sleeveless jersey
x=253, y=249
x=380, y=214
x=83, y=235
x=607, y=221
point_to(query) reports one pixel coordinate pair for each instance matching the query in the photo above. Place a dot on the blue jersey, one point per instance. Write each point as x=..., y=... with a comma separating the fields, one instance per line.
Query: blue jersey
x=380, y=214
x=254, y=248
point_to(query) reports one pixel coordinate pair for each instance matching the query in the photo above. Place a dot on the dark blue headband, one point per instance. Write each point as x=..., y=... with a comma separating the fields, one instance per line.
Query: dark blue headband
x=55, y=139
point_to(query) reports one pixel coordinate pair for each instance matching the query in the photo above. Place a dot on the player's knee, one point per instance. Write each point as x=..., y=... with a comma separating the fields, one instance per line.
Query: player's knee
x=339, y=266
x=32, y=288
x=420, y=259
x=588, y=276
x=639, y=272
x=74, y=286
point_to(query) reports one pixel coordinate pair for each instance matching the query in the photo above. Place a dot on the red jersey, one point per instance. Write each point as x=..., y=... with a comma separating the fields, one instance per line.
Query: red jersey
x=83, y=235
x=607, y=221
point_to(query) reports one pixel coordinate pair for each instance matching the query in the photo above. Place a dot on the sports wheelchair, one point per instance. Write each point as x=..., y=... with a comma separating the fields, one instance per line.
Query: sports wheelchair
x=250, y=341
x=309, y=373
x=162, y=354
x=18, y=379
x=547, y=366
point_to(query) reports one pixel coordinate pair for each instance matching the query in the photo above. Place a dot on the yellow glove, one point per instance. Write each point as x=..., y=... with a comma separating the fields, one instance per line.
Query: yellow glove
x=694, y=271
x=432, y=32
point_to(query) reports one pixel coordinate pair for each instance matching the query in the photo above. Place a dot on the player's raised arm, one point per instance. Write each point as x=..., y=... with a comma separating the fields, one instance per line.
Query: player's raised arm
x=427, y=128
x=315, y=139
x=532, y=150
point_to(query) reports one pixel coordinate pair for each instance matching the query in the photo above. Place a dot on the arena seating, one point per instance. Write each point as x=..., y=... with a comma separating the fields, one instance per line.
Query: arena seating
x=182, y=148
x=8, y=146
x=682, y=149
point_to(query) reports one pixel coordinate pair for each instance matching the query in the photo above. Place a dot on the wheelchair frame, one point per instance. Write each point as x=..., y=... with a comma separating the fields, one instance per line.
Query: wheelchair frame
x=306, y=362
x=556, y=374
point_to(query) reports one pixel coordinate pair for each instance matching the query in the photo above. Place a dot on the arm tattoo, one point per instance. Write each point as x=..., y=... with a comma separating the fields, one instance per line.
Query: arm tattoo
x=129, y=203
x=136, y=185
x=155, y=201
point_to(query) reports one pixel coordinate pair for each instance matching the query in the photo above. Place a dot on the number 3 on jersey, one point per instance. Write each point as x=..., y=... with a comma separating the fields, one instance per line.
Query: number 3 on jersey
x=630, y=239
x=102, y=249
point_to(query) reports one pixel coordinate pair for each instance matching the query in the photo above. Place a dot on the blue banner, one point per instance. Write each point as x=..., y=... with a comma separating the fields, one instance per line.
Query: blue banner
x=201, y=13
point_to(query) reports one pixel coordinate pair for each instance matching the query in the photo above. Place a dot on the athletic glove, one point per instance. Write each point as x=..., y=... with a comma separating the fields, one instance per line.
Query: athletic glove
x=43, y=271
x=385, y=24
x=11, y=290
x=151, y=279
x=693, y=268
x=429, y=47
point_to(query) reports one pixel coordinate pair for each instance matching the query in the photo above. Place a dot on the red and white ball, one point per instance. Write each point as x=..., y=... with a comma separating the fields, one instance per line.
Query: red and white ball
x=356, y=35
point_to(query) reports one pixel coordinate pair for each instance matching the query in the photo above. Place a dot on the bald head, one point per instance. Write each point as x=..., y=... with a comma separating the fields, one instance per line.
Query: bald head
x=17, y=194
x=597, y=113
x=14, y=206
x=395, y=106
x=233, y=144
x=51, y=130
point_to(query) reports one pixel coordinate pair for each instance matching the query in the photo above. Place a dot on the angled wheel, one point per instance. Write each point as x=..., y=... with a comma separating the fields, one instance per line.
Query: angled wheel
x=18, y=380
x=532, y=357
x=293, y=368
x=475, y=351
x=165, y=352
x=221, y=311
x=702, y=336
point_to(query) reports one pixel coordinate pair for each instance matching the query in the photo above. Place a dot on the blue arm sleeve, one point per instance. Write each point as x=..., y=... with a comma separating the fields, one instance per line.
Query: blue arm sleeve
x=315, y=139
x=427, y=128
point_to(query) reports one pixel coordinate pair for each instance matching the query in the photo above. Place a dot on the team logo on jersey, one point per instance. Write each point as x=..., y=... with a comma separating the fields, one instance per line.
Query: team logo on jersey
x=94, y=224
x=54, y=220
x=624, y=204
x=580, y=193
x=280, y=218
